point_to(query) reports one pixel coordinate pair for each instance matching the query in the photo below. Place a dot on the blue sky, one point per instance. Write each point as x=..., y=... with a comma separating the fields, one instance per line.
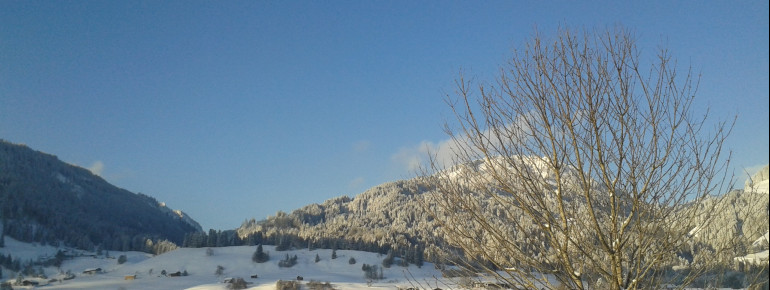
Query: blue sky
x=232, y=110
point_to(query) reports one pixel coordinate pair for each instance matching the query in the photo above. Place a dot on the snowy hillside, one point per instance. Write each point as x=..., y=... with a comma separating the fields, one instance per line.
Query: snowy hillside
x=236, y=262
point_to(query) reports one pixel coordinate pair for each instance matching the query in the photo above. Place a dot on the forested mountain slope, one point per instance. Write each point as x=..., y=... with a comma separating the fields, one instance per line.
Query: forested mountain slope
x=742, y=221
x=388, y=216
x=397, y=216
x=43, y=199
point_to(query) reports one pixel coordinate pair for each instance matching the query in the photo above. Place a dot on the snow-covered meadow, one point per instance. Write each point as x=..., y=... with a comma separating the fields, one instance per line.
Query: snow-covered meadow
x=236, y=262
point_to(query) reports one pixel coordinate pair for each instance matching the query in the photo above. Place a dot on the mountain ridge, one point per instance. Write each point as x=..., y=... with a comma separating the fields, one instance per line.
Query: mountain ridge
x=44, y=199
x=398, y=216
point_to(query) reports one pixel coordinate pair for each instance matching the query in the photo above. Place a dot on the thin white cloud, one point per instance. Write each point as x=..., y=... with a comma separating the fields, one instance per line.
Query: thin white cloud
x=356, y=183
x=445, y=152
x=408, y=158
x=417, y=157
x=361, y=146
x=97, y=167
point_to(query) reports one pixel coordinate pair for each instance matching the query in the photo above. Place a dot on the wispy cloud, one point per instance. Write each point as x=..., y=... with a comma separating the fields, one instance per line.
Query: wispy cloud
x=445, y=152
x=97, y=167
x=417, y=157
x=356, y=183
x=361, y=146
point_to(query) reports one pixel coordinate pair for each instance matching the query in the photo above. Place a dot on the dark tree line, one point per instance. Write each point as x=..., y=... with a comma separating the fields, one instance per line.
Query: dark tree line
x=413, y=253
x=215, y=238
x=30, y=267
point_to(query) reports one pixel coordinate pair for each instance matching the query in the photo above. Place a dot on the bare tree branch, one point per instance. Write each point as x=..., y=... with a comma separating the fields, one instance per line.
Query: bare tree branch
x=580, y=167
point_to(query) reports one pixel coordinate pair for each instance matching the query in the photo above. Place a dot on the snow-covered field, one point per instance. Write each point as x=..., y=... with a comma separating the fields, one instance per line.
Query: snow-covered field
x=236, y=262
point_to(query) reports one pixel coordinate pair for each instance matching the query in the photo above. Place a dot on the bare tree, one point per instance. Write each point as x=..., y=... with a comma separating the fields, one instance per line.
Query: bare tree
x=579, y=166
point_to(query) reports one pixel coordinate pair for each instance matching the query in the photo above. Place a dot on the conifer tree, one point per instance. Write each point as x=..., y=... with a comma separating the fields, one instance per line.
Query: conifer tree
x=388, y=261
x=259, y=255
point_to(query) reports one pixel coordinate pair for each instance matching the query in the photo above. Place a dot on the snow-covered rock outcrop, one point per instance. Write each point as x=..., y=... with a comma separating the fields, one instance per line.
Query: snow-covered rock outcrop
x=756, y=188
x=759, y=181
x=181, y=215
